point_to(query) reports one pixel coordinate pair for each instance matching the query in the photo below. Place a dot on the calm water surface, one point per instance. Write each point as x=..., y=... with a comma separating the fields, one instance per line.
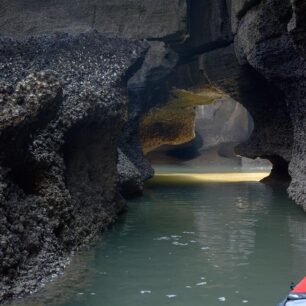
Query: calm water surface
x=191, y=244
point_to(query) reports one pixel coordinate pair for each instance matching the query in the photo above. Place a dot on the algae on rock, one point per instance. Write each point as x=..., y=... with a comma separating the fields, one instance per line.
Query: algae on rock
x=174, y=122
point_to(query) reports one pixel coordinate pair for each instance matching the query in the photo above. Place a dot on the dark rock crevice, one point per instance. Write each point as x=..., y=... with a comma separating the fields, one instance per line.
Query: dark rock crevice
x=279, y=172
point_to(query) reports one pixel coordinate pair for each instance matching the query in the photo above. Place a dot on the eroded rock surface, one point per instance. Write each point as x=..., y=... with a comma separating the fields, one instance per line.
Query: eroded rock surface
x=63, y=105
x=65, y=99
x=274, y=55
x=174, y=122
x=151, y=19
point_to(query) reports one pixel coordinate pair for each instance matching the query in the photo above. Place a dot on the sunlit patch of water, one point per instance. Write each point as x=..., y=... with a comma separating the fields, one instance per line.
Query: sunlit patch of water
x=233, y=177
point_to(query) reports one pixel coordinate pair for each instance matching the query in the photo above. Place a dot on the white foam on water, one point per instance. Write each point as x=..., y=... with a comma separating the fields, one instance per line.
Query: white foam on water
x=205, y=248
x=201, y=284
x=245, y=301
x=179, y=243
x=222, y=299
x=171, y=296
x=188, y=287
x=145, y=291
x=162, y=238
x=189, y=233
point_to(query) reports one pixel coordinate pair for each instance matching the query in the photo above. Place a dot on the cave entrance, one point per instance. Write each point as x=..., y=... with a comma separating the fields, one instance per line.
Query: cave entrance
x=204, y=143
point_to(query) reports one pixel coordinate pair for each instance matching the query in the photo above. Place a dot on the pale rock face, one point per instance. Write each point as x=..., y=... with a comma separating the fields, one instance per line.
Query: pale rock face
x=129, y=18
x=219, y=127
x=223, y=122
x=238, y=9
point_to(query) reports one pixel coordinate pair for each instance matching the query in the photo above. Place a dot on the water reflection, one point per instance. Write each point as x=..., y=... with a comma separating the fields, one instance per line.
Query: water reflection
x=211, y=177
x=192, y=244
x=229, y=226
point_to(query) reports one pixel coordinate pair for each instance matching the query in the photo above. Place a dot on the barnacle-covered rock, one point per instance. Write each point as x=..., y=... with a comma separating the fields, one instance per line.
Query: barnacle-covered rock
x=62, y=107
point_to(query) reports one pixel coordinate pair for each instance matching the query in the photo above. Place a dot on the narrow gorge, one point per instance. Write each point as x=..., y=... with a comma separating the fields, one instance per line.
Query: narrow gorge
x=91, y=92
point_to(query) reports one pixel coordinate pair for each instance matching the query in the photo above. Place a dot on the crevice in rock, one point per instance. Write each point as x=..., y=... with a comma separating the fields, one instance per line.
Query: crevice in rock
x=279, y=172
x=246, y=6
x=25, y=177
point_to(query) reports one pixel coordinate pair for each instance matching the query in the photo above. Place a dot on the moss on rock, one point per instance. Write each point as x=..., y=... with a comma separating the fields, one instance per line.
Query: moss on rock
x=173, y=123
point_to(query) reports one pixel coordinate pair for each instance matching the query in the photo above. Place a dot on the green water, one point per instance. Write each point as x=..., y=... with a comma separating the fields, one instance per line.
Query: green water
x=192, y=244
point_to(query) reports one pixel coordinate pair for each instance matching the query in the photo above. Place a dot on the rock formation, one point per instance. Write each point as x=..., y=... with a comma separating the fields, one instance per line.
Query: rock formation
x=174, y=122
x=216, y=130
x=273, y=54
x=63, y=105
x=72, y=97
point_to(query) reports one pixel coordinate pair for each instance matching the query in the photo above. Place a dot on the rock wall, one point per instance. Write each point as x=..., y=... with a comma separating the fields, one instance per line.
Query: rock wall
x=274, y=55
x=216, y=129
x=263, y=68
x=255, y=52
x=56, y=89
x=225, y=66
x=63, y=105
x=151, y=19
x=174, y=122
x=64, y=112
x=225, y=121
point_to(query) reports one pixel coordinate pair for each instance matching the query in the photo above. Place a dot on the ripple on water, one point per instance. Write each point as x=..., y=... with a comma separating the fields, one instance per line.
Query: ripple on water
x=179, y=243
x=199, y=244
x=201, y=283
x=171, y=296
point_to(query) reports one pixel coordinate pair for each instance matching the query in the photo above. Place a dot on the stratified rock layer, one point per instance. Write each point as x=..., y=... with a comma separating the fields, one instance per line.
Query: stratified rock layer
x=154, y=19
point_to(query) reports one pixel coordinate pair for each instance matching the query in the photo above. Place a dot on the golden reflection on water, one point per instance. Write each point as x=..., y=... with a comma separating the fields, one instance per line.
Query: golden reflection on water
x=231, y=177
